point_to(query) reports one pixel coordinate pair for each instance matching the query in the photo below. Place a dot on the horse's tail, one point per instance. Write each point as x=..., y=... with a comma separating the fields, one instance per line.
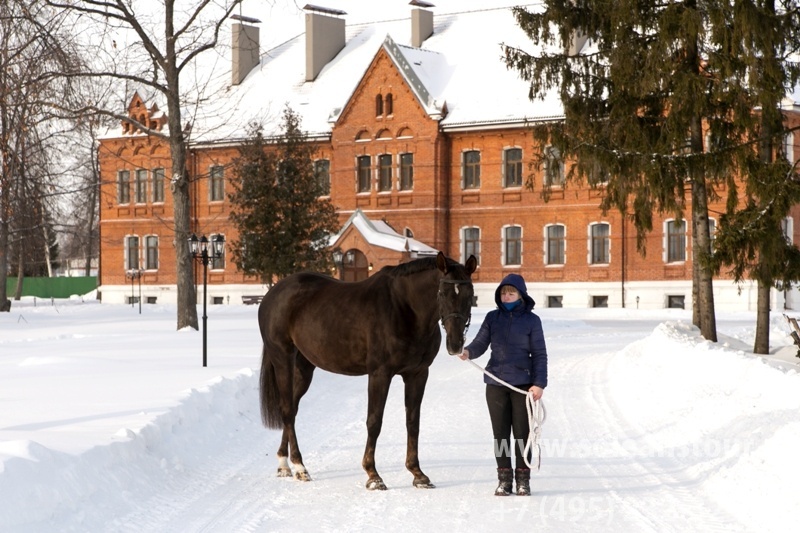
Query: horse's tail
x=270, y=398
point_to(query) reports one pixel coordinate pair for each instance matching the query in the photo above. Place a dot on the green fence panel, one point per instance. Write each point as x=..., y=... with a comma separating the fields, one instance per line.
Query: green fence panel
x=52, y=287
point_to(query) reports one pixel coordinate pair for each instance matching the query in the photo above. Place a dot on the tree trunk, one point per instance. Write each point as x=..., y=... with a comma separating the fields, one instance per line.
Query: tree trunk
x=701, y=269
x=90, y=225
x=20, y=274
x=761, y=344
x=187, y=295
x=3, y=252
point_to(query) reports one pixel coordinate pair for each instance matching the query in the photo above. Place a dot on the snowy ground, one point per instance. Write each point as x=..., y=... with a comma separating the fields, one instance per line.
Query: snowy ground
x=109, y=422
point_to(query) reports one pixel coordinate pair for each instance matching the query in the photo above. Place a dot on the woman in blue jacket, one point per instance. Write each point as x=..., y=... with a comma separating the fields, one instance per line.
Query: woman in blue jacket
x=518, y=357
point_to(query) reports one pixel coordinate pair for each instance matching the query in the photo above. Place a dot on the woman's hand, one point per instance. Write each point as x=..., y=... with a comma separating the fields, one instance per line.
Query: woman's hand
x=464, y=355
x=536, y=392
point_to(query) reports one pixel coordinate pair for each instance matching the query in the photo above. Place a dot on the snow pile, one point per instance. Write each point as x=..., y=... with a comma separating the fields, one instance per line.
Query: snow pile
x=729, y=419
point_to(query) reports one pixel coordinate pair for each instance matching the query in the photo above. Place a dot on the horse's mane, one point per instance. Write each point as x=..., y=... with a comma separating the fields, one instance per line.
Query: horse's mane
x=413, y=267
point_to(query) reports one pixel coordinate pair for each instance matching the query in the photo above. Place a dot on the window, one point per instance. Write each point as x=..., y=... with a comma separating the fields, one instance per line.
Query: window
x=471, y=169
x=555, y=301
x=788, y=147
x=124, y=187
x=158, y=185
x=512, y=237
x=599, y=244
x=217, y=263
x=787, y=227
x=599, y=301
x=676, y=302
x=513, y=167
x=141, y=186
x=472, y=243
x=406, y=172
x=556, y=243
x=598, y=176
x=151, y=252
x=364, y=171
x=378, y=105
x=676, y=241
x=217, y=300
x=132, y=253
x=389, y=104
x=553, y=168
x=322, y=170
x=712, y=232
x=385, y=172
x=217, y=178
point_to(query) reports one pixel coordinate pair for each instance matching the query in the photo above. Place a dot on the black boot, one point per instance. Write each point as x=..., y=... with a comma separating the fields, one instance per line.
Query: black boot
x=504, y=476
x=523, y=479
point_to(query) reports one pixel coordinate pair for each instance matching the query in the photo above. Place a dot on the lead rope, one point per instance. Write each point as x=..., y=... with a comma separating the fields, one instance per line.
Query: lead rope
x=536, y=417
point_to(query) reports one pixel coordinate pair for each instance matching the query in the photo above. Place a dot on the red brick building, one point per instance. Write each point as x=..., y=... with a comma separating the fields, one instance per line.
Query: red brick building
x=422, y=132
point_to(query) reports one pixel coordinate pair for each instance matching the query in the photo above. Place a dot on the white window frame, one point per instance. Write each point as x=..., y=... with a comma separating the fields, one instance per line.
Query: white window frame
x=546, y=238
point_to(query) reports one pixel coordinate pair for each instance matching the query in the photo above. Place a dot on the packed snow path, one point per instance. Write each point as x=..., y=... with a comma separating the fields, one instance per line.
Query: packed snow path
x=634, y=440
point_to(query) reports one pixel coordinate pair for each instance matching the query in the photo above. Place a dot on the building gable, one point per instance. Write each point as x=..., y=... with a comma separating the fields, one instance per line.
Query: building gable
x=392, y=88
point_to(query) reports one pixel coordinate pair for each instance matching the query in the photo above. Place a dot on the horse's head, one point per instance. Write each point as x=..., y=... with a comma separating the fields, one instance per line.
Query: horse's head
x=455, y=300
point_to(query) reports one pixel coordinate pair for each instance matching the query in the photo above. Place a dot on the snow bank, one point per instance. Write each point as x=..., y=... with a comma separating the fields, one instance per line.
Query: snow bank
x=40, y=485
x=729, y=418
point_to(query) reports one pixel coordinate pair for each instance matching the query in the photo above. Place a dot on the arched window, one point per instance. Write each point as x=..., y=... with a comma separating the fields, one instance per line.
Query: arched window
x=676, y=241
x=599, y=244
x=512, y=245
x=555, y=244
x=378, y=105
x=389, y=104
x=471, y=243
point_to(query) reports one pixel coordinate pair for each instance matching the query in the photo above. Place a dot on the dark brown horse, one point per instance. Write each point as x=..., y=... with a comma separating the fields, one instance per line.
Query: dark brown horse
x=383, y=326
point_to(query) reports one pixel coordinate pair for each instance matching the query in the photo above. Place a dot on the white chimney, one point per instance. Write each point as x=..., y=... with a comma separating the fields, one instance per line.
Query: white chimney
x=244, y=48
x=421, y=23
x=577, y=42
x=325, y=38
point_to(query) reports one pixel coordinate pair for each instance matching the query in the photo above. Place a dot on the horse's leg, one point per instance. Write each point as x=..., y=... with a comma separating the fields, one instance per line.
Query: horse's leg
x=284, y=371
x=378, y=392
x=303, y=372
x=415, y=389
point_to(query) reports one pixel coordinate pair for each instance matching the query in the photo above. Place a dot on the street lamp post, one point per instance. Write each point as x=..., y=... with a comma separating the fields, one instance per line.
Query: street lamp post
x=200, y=252
x=133, y=274
x=337, y=260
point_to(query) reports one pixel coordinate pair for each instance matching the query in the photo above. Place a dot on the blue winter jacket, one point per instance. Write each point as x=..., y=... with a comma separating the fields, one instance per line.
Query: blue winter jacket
x=518, y=351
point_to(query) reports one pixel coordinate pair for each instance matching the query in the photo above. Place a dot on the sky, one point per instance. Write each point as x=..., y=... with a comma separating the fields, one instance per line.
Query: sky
x=109, y=422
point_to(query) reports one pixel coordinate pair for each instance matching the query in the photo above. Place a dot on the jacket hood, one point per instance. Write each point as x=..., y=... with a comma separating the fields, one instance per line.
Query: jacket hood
x=516, y=281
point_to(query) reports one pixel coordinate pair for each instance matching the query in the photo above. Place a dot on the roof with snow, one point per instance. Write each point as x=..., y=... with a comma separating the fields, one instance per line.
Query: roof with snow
x=459, y=66
x=379, y=233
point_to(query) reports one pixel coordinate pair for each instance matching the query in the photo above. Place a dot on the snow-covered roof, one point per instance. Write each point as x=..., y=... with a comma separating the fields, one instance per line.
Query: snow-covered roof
x=379, y=233
x=460, y=65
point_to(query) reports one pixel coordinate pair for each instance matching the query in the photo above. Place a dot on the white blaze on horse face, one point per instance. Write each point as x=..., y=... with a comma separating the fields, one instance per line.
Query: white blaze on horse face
x=455, y=287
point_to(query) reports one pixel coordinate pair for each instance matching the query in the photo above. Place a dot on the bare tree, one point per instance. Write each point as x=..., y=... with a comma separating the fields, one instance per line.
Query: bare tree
x=162, y=44
x=30, y=49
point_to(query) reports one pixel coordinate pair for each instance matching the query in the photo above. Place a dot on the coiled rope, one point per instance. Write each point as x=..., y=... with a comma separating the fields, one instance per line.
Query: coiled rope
x=536, y=417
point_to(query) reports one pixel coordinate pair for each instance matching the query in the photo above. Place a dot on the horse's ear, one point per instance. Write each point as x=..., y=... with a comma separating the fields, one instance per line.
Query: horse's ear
x=471, y=265
x=441, y=262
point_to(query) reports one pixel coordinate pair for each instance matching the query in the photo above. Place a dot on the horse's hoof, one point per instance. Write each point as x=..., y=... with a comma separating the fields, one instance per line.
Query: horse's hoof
x=302, y=476
x=376, y=484
x=424, y=484
x=284, y=472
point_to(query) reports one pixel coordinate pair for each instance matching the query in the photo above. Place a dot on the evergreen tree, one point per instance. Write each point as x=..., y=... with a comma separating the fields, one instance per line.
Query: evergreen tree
x=637, y=106
x=283, y=222
x=752, y=241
